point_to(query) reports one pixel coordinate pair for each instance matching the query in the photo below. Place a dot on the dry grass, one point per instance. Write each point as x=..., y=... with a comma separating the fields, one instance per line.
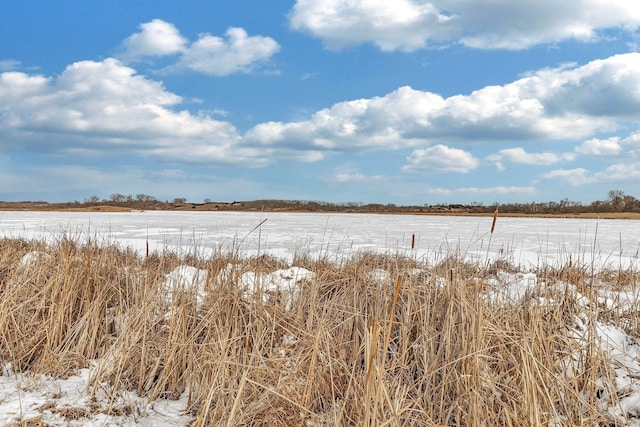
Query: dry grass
x=421, y=346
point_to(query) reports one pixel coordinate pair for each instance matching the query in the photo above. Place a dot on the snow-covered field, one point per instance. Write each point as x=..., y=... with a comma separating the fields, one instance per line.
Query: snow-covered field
x=525, y=242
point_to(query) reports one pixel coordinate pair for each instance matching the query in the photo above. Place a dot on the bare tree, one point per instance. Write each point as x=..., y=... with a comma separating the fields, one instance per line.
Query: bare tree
x=616, y=199
x=92, y=200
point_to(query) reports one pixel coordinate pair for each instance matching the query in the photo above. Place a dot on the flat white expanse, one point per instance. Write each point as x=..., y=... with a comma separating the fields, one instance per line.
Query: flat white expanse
x=527, y=242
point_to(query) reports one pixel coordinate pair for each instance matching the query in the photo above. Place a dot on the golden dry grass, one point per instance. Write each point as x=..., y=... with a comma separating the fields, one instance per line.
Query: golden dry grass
x=423, y=346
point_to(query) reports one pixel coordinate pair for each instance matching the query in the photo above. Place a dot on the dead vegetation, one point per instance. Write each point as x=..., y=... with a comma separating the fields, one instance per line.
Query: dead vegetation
x=372, y=340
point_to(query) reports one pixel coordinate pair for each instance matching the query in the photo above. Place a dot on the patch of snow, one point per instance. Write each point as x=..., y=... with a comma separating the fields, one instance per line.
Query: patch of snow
x=185, y=281
x=441, y=282
x=622, y=350
x=623, y=300
x=32, y=258
x=67, y=402
x=512, y=287
x=379, y=276
x=282, y=285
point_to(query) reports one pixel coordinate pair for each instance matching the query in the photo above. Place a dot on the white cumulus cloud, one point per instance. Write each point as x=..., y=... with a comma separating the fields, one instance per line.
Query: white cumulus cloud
x=575, y=177
x=441, y=158
x=238, y=52
x=105, y=107
x=565, y=103
x=600, y=147
x=614, y=146
x=209, y=54
x=156, y=38
x=499, y=24
x=401, y=24
x=618, y=172
x=520, y=156
x=95, y=106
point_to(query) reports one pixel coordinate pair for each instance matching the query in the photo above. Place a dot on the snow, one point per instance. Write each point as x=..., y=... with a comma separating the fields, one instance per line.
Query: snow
x=187, y=281
x=281, y=284
x=66, y=402
x=526, y=242
x=622, y=350
x=191, y=282
x=512, y=288
x=32, y=257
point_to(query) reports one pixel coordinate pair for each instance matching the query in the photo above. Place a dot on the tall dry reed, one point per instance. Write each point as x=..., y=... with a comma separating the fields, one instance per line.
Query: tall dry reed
x=417, y=345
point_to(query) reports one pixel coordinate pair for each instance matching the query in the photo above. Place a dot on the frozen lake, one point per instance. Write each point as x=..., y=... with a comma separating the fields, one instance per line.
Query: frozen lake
x=527, y=242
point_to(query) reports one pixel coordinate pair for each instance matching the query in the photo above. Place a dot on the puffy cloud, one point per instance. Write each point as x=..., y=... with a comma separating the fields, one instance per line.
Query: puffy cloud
x=601, y=147
x=612, y=146
x=619, y=172
x=401, y=24
x=211, y=55
x=601, y=87
x=100, y=96
x=519, y=155
x=156, y=38
x=575, y=177
x=105, y=107
x=94, y=107
x=441, y=158
x=538, y=106
x=216, y=56
x=15, y=85
x=631, y=145
x=522, y=24
x=504, y=24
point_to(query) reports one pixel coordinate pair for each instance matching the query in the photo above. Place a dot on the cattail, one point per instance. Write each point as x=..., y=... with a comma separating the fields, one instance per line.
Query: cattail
x=495, y=217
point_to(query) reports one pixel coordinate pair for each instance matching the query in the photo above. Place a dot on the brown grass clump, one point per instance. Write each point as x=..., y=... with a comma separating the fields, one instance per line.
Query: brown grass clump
x=372, y=340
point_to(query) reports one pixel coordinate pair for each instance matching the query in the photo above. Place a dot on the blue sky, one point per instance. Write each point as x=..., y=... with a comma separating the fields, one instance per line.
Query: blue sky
x=406, y=102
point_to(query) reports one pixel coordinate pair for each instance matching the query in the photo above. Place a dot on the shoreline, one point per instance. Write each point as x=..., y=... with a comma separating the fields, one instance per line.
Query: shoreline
x=29, y=207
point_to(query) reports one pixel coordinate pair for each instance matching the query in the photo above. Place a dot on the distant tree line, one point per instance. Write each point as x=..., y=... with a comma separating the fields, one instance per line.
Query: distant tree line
x=617, y=201
x=139, y=201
